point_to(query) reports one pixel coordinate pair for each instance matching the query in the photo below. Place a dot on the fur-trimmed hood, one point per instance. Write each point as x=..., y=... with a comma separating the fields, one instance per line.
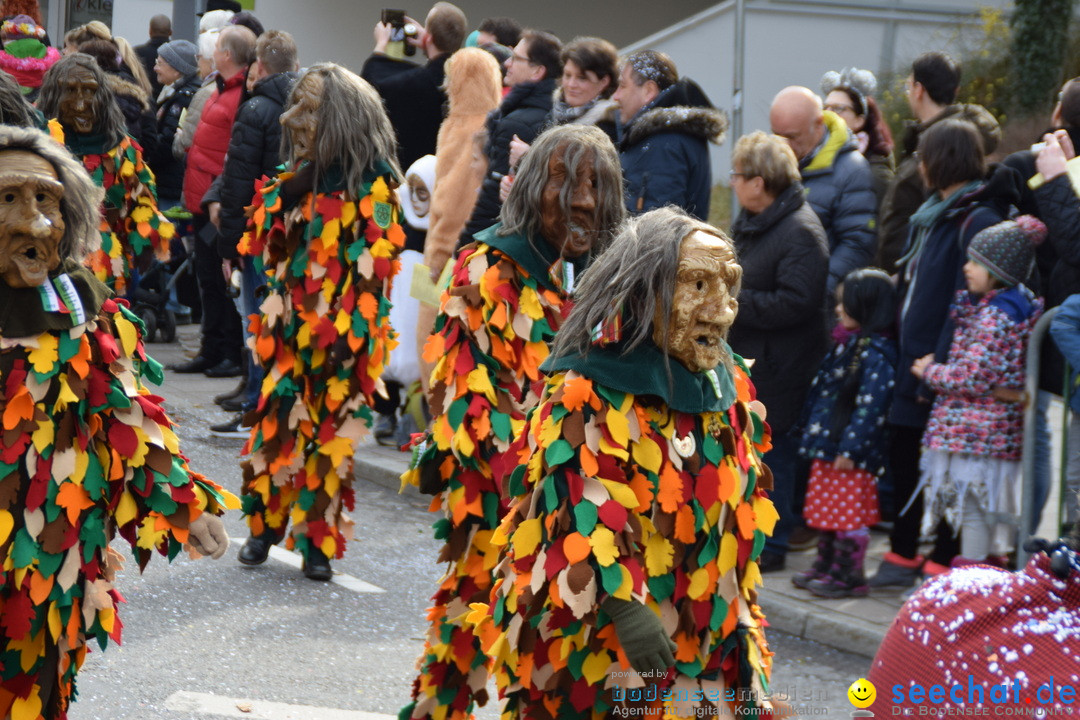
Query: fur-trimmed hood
x=127, y=87
x=682, y=108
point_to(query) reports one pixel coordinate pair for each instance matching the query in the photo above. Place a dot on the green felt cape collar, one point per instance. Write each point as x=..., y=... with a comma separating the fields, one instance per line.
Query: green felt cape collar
x=642, y=372
x=82, y=145
x=333, y=178
x=535, y=257
x=22, y=313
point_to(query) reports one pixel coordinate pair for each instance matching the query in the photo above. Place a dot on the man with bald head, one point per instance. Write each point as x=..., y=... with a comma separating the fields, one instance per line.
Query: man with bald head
x=160, y=32
x=838, y=181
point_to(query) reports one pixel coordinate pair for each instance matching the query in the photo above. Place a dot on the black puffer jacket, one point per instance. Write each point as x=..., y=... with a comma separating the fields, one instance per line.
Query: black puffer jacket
x=523, y=113
x=134, y=102
x=782, y=322
x=169, y=170
x=254, y=151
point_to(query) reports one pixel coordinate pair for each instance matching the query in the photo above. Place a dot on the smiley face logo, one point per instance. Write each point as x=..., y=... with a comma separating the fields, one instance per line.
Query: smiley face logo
x=862, y=692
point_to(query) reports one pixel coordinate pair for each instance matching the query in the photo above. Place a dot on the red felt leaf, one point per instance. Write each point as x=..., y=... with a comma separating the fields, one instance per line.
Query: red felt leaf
x=18, y=612
x=613, y=515
x=707, y=486
x=123, y=439
x=556, y=560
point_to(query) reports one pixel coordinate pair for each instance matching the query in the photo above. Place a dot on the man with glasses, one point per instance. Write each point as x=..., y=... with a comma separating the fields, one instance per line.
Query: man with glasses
x=531, y=73
x=931, y=90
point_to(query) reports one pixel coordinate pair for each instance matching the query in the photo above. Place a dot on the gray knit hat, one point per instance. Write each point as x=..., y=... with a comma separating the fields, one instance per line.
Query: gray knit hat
x=1007, y=250
x=180, y=54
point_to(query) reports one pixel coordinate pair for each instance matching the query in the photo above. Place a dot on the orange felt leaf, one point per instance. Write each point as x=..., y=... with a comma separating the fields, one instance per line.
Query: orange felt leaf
x=744, y=517
x=396, y=235
x=20, y=407
x=74, y=623
x=368, y=306
x=642, y=490
x=576, y=392
x=482, y=426
x=80, y=363
x=576, y=547
x=688, y=647
x=727, y=481
x=40, y=585
x=589, y=465
x=684, y=525
x=728, y=626
x=74, y=499
x=144, y=229
x=498, y=316
x=670, y=493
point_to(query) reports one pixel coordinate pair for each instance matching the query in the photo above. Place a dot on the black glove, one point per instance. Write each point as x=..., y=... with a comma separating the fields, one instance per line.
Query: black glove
x=647, y=647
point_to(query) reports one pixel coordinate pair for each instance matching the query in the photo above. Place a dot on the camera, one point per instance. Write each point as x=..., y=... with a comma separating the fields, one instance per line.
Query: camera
x=401, y=31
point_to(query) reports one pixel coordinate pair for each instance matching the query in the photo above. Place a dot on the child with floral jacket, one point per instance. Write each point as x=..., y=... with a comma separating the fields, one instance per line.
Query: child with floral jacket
x=971, y=450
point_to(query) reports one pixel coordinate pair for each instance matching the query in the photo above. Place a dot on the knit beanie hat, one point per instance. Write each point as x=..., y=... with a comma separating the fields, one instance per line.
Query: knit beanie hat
x=180, y=54
x=1007, y=250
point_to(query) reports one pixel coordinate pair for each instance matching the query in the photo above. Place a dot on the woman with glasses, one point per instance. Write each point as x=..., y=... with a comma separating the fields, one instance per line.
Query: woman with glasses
x=848, y=93
x=783, y=319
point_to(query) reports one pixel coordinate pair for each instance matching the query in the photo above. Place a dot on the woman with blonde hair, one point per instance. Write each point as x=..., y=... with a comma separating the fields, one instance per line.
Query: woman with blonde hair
x=473, y=89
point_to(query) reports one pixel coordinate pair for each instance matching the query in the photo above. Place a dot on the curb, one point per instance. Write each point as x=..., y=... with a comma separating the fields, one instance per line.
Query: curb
x=835, y=630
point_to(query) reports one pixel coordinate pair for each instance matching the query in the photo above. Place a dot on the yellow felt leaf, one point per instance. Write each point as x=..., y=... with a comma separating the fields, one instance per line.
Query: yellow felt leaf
x=383, y=248
x=128, y=335
x=658, y=555
x=462, y=442
x=595, y=667
x=330, y=233
x=43, y=436
x=379, y=191
x=348, y=214
x=618, y=426
x=647, y=454
x=107, y=618
x=529, y=303
x=626, y=587
x=342, y=322
x=550, y=431
x=337, y=388
x=28, y=708
x=338, y=449
x=729, y=553
x=126, y=510
x=751, y=577
x=479, y=381
x=603, y=546
x=765, y=514
x=142, y=214
x=148, y=537
x=526, y=537
x=44, y=357
x=699, y=583
x=6, y=524
x=66, y=396
x=620, y=493
x=55, y=626
x=166, y=230
x=303, y=336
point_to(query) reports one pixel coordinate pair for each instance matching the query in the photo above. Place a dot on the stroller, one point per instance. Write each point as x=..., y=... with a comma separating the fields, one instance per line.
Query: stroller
x=152, y=291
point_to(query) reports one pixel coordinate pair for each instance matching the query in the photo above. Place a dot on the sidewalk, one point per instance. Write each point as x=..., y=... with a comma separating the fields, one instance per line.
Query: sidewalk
x=854, y=625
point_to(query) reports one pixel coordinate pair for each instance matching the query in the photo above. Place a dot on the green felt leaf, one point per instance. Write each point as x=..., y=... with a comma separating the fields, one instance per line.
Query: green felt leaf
x=500, y=425
x=611, y=577
x=551, y=496
x=49, y=563
x=661, y=587
x=306, y=499
x=92, y=534
x=153, y=371
x=557, y=453
x=490, y=501
x=585, y=516
x=456, y=414
x=24, y=549
x=709, y=550
x=517, y=481
x=759, y=544
x=442, y=528
x=711, y=449
x=719, y=612
x=612, y=396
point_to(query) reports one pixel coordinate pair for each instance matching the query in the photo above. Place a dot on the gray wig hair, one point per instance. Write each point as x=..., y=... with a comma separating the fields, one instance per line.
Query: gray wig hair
x=636, y=277
x=521, y=213
x=110, y=119
x=14, y=110
x=81, y=205
x=353, y=130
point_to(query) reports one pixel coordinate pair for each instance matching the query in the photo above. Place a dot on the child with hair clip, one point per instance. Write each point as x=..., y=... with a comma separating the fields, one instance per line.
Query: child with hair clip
x=971, y=449
x=844, y=433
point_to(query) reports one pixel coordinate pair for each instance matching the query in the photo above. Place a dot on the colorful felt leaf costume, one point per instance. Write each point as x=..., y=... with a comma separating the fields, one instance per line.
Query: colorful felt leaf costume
x=507, y=298
x=647, y=493
x=132, y=227
x=86, y=453
x=323, y=339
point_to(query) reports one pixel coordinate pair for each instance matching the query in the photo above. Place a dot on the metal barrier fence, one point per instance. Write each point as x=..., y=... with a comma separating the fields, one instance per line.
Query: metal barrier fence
x=1031, y=393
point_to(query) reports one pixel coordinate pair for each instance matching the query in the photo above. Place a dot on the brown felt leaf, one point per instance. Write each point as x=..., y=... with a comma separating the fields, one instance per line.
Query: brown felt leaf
x=9, y=490
x=573, y=429
x=54, y=535
x=765, y=479
x=578, y=576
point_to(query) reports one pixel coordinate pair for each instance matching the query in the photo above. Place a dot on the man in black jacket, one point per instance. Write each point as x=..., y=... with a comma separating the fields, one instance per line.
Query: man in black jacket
x=254, y=152
x=531, y=73
x=413, y=94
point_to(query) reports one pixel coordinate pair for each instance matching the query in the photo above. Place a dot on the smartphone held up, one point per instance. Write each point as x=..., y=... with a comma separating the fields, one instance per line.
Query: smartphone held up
x=401, y=32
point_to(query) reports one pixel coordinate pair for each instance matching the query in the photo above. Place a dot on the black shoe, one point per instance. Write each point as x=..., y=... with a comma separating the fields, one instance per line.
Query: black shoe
x=195, y=365
x=317, y=566
x=225, y=368
x=233, y=428
x=256, y=549
x=384, y=429
x=233, y=404
x=238, y=390
x=769, y=561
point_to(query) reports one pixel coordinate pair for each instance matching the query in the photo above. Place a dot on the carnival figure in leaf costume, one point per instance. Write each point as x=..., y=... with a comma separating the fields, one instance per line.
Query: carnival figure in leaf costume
x=508, y=295
x=86, y=451
x=326, y=231
x=628, y=580
x=89, y=122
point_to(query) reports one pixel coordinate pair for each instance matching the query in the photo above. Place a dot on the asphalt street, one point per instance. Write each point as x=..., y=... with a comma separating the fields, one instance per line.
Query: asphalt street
x=206, y=639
